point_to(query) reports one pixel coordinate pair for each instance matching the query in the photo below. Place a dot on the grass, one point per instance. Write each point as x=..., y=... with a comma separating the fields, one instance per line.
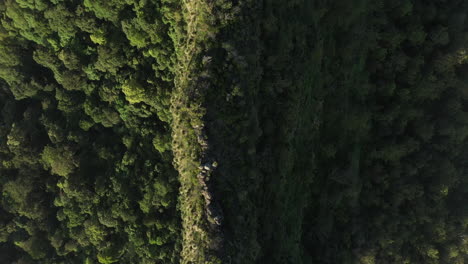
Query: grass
x=200, y=239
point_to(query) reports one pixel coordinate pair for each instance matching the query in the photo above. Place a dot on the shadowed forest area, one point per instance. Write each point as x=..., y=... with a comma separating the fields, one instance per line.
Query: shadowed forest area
x=233, y=131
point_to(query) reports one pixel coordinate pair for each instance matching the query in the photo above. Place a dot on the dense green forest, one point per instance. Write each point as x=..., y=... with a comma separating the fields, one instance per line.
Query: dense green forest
x=233, y=131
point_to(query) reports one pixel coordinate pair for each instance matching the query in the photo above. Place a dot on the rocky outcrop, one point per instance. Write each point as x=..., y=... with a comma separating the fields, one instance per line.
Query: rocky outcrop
x=213, y=209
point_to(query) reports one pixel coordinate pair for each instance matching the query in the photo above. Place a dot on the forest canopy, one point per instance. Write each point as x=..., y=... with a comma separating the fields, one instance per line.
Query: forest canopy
x=237, y=132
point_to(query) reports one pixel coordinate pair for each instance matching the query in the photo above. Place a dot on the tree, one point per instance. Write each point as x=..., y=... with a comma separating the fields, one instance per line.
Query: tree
x=61, y=160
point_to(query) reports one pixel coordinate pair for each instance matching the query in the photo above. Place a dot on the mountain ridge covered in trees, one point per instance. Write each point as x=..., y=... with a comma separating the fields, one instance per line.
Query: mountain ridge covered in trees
x=182, y=131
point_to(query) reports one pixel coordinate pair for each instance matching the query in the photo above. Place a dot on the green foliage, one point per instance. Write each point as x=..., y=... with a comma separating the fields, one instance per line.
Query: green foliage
x=134, y=92
x=67, y=69
x=56, y=16
x=94, y=232
x=162, y=143
x=135, y=33
x=233, y=131
x=109, y=59
x=34, y=246
x=61, y=161
x=108, y=10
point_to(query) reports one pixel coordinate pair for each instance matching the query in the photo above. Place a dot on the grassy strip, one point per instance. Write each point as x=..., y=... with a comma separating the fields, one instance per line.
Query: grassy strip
x=202, y=239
